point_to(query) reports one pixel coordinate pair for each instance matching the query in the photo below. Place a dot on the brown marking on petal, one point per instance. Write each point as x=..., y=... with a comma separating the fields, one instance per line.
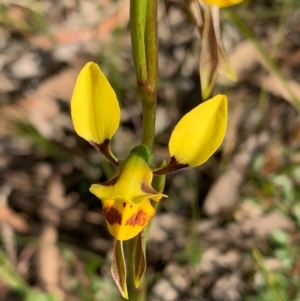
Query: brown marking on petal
x=140, y=218
x=124, y=204
x=112, y=215
x=130, y=206
x=104, y=149
x=110, y=182
x=170, y=167
x=148, y=189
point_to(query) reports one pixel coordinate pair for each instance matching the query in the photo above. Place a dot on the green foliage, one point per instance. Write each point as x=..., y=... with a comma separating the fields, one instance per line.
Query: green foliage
x=29, y=132
x=282, y=186
x=279, y=284
x=31, y=21
x=282, y=190
x=11, y=277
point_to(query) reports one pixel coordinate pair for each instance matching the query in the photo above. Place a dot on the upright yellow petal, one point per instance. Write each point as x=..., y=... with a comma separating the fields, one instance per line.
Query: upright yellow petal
x=94, y=106
x=200, y=132
x=124, y=220
x=221, y=3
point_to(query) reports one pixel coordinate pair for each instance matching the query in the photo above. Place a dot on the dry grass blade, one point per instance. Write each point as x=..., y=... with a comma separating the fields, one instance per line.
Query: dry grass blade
x=48, y=258
x=287, y=88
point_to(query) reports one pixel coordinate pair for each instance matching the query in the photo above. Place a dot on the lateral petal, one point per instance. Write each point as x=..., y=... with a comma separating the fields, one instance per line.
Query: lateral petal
x=200, y=132
x=95, y=109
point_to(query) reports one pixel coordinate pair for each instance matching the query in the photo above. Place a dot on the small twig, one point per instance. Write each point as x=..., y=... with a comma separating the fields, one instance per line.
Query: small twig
x=48, y=253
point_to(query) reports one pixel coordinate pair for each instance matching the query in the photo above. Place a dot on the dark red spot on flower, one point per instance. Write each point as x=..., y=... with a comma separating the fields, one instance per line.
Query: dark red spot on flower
x=112, y=215
x=124, y=204
x=140, y=218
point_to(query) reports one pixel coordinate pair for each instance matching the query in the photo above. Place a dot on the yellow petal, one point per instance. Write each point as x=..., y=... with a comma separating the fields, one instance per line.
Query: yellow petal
x=124, y=220
x=94, y=106
x=221, y=3
x=200, y=132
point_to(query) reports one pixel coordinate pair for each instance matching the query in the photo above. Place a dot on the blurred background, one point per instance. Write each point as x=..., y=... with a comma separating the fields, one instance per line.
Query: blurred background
x=229, y=230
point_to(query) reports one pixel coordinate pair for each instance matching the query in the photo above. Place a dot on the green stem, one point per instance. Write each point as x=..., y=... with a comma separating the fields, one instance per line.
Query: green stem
x=148, y=89
x=138, y=10
x=152, y=46
x=143, y=27
x=149, y=115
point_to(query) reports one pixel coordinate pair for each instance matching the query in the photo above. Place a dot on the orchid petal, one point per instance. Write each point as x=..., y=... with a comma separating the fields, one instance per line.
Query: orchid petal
x=94, y=106
x=124, y=220
x=132, y=182
x=200, y=132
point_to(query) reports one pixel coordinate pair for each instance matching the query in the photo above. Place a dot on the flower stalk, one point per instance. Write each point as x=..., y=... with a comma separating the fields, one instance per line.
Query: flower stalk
x=138, y=10
x=143, y=27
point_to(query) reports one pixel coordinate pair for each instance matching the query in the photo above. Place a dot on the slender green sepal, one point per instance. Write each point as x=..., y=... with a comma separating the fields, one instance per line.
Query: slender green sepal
x=159, y=181
x=139, y=259
x=159, y=184
x=225, y=67
x=118, y=268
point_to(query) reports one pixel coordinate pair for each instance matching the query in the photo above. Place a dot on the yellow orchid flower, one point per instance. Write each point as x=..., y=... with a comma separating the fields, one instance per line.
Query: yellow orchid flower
x=126, y=197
